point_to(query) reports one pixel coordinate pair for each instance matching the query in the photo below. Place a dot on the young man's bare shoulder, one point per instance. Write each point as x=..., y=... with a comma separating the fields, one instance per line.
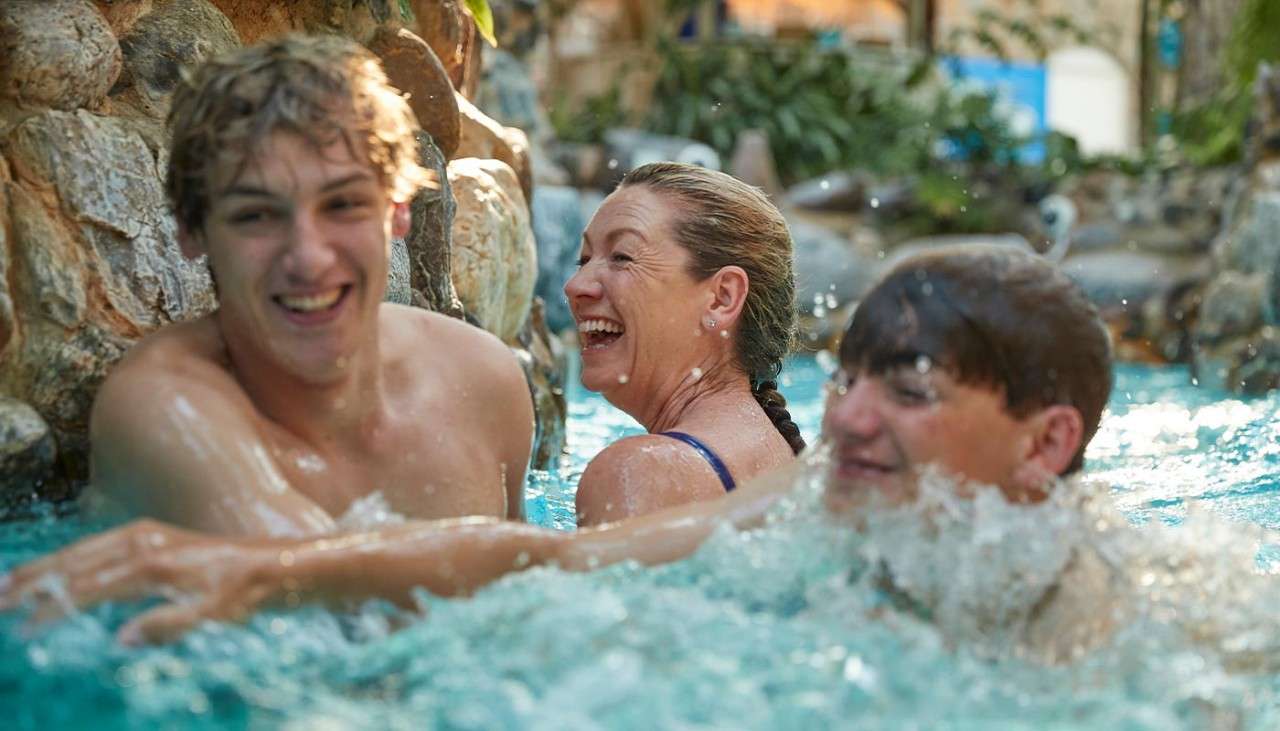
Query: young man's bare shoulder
x=447, y=344
x=187, y=356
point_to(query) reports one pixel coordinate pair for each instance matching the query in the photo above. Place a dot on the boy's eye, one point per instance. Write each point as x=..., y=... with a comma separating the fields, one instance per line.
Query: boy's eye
x=347, y=203
x=252, y=215
x=841, y=382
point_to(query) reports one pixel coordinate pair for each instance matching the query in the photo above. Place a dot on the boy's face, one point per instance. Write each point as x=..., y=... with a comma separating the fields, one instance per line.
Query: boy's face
x=884, y=428
x=297, y=239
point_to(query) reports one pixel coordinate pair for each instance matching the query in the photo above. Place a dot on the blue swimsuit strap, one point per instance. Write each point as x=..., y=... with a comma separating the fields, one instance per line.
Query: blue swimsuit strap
x=722, y=472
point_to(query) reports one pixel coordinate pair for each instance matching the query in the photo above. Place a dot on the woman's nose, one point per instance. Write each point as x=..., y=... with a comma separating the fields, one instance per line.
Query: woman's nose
x=583, y=283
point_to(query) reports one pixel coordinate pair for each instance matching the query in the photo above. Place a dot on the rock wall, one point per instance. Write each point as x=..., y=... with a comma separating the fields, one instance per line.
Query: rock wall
x=88, y=255
x=1236, y=338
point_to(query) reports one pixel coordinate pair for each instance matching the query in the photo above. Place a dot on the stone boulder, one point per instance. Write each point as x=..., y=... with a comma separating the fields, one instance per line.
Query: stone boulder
x=94, y=264
x=1125, y=280
x=178, y=34
x=55, y=54
x=483, y=137
x=494, y=258
x=27, y=450
x=429, y=241
x=413, y=68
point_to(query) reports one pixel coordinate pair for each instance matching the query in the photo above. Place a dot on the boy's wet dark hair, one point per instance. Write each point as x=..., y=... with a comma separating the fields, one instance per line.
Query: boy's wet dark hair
x=994, y=317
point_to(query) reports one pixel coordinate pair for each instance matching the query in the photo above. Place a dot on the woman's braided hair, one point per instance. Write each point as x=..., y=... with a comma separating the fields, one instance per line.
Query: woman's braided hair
x=725, y=222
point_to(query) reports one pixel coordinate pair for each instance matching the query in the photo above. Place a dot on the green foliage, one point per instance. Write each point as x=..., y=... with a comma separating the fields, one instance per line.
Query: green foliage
x=588, y=121
x=482, y=14
x=1025, y=23
x=1213, y=133
x=821, y=109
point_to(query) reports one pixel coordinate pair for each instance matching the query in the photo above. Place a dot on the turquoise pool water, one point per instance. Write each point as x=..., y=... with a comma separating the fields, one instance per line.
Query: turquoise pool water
x=767, y=629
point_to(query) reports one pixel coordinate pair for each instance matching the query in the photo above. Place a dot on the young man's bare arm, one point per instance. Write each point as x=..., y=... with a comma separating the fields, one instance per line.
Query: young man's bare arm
x=182, y=451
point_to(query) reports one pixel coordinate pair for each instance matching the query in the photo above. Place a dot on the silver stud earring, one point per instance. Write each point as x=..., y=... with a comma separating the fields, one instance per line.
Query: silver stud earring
x=710, y=323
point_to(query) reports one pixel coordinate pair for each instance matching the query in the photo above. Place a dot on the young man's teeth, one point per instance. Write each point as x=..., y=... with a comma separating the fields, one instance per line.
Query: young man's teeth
x=591, y=326
x=311, y=302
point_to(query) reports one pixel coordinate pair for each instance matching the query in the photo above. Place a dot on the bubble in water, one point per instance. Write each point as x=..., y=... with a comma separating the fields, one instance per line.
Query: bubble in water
x=832, y=302
x=875, y=202
x=827, y=361
x=824, y=185
x=613, y=163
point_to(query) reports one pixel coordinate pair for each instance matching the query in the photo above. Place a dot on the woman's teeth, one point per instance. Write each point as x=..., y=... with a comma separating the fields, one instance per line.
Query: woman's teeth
x=599, y=326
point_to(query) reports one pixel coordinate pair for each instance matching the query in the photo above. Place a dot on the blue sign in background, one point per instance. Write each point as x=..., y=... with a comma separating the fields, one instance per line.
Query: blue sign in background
x=1020, y=85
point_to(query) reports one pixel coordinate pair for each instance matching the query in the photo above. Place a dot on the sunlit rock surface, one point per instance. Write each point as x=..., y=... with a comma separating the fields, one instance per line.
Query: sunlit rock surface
x=59, y=54
x=95, y=261
x=413, y=68
x=494, y=258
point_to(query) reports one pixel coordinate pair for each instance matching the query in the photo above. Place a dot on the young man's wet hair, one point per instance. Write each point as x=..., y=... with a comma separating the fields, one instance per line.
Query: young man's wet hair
x=321, y=88
x=993, y=317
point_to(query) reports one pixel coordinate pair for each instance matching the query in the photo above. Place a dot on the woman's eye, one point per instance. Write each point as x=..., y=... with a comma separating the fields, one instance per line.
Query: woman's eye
x=582, y=261
x=621, y=258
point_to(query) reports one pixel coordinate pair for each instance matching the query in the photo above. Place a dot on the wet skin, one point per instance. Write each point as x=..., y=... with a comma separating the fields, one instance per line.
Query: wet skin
x=885, y=428
x=304, y=392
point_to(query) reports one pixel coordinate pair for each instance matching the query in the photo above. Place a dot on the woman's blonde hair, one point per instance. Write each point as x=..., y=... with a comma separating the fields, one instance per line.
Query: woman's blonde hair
x=725, y=222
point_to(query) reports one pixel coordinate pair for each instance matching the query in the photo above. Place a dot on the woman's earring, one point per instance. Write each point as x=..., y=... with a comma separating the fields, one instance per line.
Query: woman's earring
x=709, y=323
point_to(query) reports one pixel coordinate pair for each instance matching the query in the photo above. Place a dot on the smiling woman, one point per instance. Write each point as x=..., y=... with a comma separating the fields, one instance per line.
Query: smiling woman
x=684, y=300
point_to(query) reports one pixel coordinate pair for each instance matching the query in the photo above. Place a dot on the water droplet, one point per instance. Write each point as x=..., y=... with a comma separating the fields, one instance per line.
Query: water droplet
x=613, y=163
x=277, y=626
x=924, y=364
x=875, y=202
x=724, y=334
x=827, y=361
x=286, y=558
x=696, y=373
x=623, y=378
x=824, y=185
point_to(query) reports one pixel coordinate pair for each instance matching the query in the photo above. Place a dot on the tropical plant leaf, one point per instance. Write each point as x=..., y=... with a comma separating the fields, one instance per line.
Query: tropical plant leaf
x=482, y=14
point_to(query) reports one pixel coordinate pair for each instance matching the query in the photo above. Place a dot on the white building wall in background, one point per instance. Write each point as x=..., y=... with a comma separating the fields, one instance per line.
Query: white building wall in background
x=1088, y=96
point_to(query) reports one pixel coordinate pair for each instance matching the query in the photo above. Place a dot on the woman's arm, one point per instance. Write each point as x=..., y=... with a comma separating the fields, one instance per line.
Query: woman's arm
x=207, y=577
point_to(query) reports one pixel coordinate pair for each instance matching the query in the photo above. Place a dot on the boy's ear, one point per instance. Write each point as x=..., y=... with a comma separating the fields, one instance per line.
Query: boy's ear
x=401, y=218
x=728, y=294
x=191, y=243
x=1056, y=434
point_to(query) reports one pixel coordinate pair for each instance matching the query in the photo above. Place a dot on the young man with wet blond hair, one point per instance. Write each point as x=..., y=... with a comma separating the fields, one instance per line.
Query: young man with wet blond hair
x=305, y=395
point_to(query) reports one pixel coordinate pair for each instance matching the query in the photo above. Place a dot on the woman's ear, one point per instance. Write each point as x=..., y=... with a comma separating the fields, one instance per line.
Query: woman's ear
x=191, y=243
x=1056, y=434
x=728, y=294
x=401, y=217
